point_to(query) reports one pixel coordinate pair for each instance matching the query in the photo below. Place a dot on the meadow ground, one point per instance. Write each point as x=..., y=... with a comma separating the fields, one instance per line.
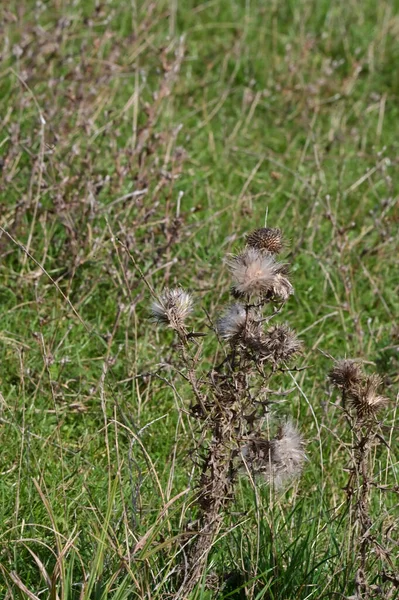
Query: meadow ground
x=147, y=138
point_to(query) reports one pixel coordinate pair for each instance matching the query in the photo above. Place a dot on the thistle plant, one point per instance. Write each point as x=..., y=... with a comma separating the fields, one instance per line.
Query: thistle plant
x=231, y=402
x=362, y=403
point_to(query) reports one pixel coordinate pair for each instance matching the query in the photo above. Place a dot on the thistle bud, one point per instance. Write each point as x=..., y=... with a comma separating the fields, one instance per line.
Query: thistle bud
x=266, y=239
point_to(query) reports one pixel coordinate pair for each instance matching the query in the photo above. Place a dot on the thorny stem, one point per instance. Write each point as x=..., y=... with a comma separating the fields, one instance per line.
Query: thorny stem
x=227, y=413
x=365, y=436
x=191, y=375
x=360, y=468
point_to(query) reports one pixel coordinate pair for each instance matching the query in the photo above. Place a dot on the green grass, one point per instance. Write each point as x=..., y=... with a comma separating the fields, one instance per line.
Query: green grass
x=153, y=136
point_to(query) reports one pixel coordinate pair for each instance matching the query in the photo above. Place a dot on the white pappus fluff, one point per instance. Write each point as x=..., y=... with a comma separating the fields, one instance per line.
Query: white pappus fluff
x=172, y=308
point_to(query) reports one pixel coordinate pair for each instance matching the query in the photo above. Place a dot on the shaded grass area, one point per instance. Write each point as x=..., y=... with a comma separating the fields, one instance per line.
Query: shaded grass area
x=150, y=138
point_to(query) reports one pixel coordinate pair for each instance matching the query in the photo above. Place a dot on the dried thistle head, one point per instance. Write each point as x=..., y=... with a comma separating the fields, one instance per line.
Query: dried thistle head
x=280, y=343
x=288, y=452
x=266, y=239
x=364, y=398
x=282, y=287
x=346, y=373
x=254, y=273
x=278, y=460
x=172, y=308
x=234, y=321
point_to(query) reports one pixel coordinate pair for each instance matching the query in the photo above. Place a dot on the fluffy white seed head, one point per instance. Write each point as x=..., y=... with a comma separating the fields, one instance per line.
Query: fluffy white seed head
x=279, y=460
x=288, y=454
x=233, y=322
x=256, y=273
x=172, y=308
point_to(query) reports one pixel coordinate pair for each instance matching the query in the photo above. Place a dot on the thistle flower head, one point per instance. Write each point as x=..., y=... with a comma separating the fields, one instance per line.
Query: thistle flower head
x=254, y=273
x=278, y=460
x=172, y=308
x=345, y=374
x=266, y=239
x=280, y=343
x=233, y=322
x=364, y=398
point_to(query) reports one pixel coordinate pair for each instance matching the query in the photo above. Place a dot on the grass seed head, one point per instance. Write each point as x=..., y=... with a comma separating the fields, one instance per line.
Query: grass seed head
x=266, y=239
x=172, y=308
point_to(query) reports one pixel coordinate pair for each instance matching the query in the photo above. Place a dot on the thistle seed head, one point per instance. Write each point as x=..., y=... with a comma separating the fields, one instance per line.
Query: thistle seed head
x=282, y=287
x=172, y=308
x=364, y=398
x=254, y=273
x=233, y=322
x=278, y=460
x=280, y=343
x=288, y=453
x=266, y=239
x=345, y=374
